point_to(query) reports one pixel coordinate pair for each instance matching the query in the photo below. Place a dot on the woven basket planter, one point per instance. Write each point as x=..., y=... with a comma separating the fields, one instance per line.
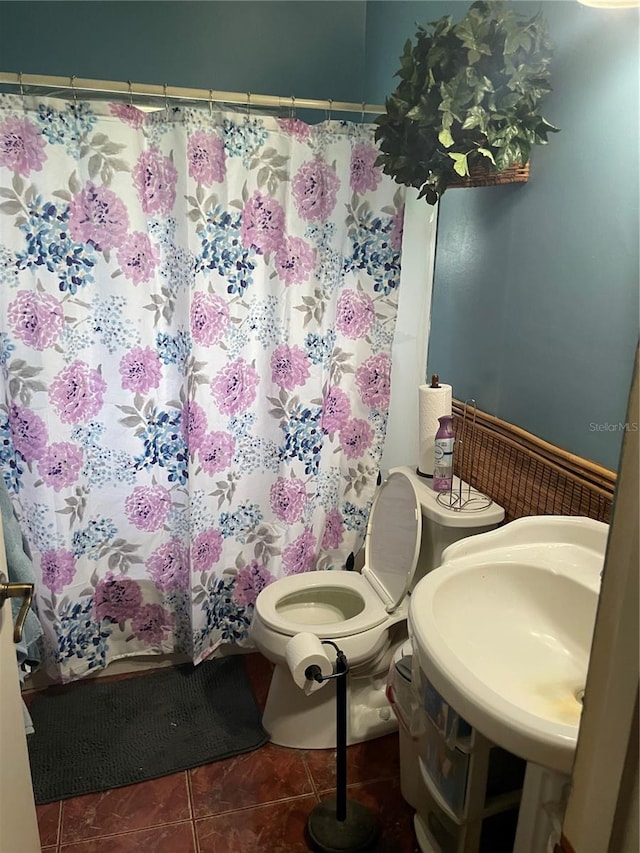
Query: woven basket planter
x=481, y=176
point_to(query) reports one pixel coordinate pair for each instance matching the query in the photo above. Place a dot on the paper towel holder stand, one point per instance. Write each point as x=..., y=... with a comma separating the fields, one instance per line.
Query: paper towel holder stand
x=435, y=383
x=339, y=825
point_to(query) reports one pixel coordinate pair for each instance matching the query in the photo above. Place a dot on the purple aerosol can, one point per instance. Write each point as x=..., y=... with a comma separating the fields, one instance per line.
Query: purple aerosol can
x=443, y=455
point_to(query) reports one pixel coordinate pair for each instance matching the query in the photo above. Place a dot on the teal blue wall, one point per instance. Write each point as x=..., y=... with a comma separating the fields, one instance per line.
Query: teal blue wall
x=535, y=307
x=310, y=49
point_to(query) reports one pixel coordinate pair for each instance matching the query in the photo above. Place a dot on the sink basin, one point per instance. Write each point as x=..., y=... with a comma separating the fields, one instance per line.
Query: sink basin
x=503, y=631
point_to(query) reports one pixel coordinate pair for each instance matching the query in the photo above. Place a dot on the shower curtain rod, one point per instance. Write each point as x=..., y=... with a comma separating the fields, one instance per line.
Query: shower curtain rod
x=248, y=99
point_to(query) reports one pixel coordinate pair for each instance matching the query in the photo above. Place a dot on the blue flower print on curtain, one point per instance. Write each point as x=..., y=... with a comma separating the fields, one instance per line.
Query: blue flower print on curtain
x=197, y=317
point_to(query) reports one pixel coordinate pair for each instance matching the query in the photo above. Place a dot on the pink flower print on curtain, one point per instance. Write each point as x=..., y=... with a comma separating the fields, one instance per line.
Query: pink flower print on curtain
x=288, y=498
x=77, y=392
x=262, y=223
x=355, y=314
x=364, y=175
x=152, y=623
x=336, y=410
x=99, y=217
x=206, y=158
x=234, y=387
x=250, y=581
x=59, y=464
x=315, y=188
x=147, y=507
x=289, y=367
x=300, y=130
x=155, y=177
x=300, y=555
x=397, y=230
x=295, y=260
x=333, y=530
x=116, y=598
x=28, y=432
x=138, y=258
x=36, y=318
x=206, y=550
x=140, y=370
x=374, y=381
x=22, y=146
x=193, y=425
x=128, y=113
x=209, y=318
x=168, y=566
x=216, y=451
x=58, y=569
x=355, y=438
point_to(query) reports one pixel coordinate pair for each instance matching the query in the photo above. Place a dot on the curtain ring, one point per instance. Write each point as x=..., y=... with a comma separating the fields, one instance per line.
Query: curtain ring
x=248, y=104
x=210, y=103
x=73, y=88
x=130, y=93
x=292, y=107
x=166, y=101
x=362, y=116
x=330, y=109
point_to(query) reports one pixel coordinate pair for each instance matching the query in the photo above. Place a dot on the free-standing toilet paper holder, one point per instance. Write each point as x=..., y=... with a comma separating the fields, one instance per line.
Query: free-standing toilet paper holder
x=339, y=825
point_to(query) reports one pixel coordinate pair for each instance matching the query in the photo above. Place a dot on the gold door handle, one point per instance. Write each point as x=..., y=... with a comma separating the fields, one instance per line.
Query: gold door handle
x=16, y=590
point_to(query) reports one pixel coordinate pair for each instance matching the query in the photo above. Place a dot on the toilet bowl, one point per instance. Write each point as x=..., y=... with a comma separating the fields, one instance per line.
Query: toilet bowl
x=364, y=613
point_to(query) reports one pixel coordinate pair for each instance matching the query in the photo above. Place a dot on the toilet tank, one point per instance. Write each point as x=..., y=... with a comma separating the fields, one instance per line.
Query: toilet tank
x=443, y=523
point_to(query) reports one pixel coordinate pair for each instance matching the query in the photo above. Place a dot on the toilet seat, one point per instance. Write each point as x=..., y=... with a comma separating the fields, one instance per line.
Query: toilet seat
x=341, y=603
x=297, y=593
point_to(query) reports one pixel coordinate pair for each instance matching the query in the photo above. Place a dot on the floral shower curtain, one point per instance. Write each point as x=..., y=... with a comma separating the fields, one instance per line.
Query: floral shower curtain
x=197, y=309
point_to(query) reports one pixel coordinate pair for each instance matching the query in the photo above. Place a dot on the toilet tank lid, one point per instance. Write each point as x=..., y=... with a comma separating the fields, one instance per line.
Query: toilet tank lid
x=392, y=543
x=435, y=511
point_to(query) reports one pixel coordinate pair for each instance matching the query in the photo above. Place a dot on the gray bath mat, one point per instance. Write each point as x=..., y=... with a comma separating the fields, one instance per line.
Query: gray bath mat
x=96, y=736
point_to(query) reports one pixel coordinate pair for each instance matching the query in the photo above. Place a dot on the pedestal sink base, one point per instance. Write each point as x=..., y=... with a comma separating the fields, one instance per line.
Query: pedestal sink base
x=544, y=800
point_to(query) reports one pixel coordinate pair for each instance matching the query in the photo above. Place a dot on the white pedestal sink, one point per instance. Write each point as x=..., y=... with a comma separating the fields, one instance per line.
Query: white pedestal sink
x=503, y=631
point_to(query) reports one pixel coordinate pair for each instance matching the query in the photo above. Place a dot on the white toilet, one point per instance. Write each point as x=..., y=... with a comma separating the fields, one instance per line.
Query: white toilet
x=364, y=613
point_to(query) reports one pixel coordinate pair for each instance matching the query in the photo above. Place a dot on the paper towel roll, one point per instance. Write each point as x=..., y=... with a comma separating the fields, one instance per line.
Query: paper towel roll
x=433, y=403
x=302, y=651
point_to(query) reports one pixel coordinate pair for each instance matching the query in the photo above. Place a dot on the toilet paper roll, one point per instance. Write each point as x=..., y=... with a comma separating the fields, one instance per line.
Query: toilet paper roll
x=433, y=403
x=302, y=651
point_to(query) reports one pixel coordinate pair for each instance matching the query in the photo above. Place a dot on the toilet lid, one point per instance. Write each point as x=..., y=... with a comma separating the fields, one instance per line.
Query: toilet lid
x=393, y=539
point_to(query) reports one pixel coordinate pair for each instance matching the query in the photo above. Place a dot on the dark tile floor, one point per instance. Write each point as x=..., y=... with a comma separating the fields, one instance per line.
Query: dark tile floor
x=254, y=803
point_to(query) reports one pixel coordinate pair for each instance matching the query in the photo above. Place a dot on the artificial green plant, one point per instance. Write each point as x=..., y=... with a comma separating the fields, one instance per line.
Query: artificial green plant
x=469, y=93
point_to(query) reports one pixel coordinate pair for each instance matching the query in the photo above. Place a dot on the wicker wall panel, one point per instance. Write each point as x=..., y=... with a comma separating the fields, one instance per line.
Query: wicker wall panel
x=524, y=474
